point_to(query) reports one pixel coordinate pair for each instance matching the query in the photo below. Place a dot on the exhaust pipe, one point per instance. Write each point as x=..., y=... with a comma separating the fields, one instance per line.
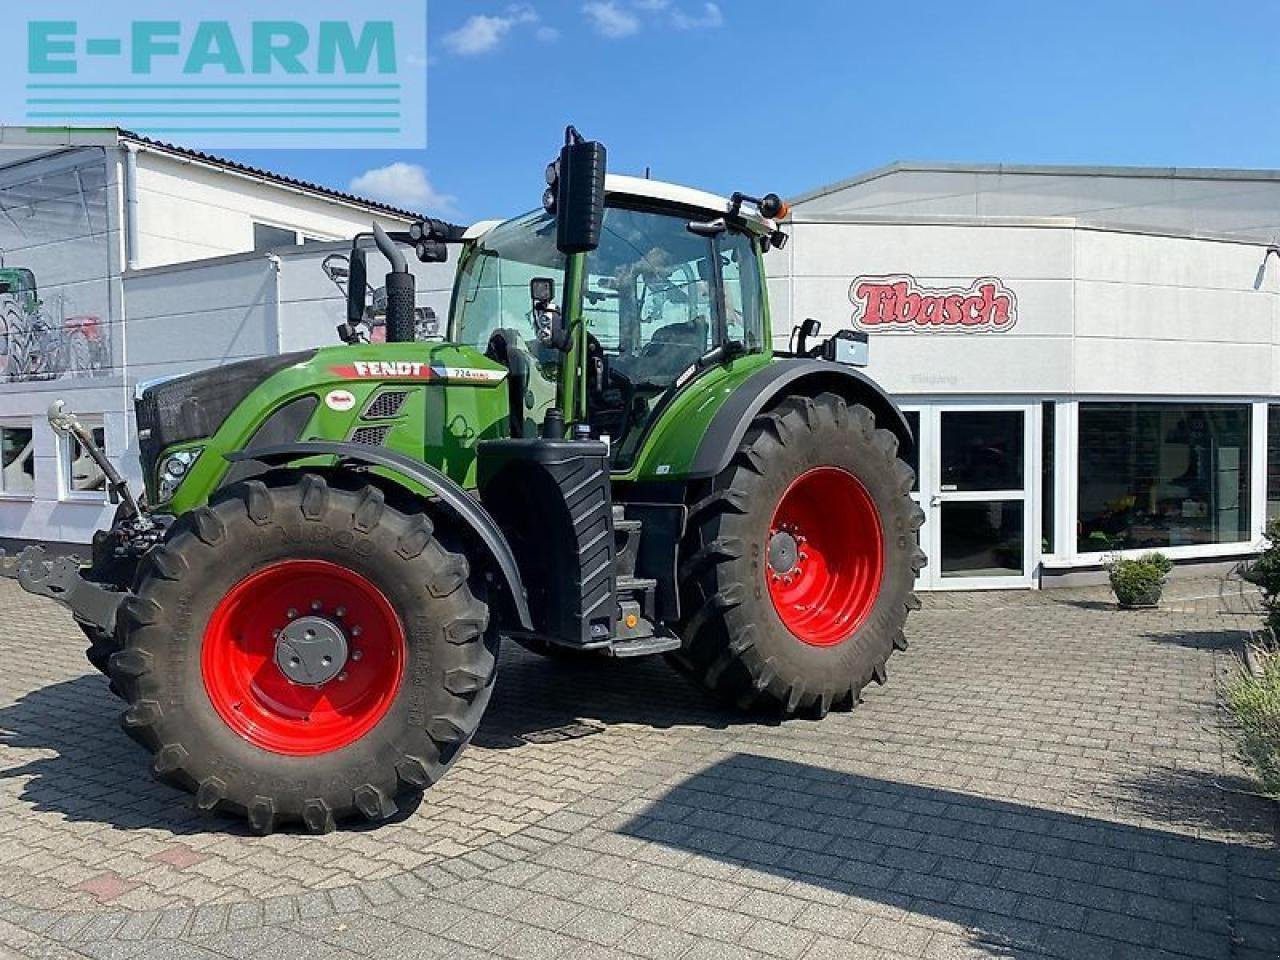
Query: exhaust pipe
x=402, y=290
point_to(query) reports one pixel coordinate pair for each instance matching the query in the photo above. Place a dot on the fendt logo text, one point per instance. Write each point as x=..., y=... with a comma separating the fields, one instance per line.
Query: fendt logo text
x=224, y=74
x=900, y=302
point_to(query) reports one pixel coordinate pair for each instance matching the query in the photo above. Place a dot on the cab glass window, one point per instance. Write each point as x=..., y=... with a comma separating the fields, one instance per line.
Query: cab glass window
x=743, y=302
x=493, y=282
x=658, y=298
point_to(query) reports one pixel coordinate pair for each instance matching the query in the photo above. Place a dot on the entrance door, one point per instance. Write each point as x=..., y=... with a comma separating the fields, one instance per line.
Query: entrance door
x=974, y=478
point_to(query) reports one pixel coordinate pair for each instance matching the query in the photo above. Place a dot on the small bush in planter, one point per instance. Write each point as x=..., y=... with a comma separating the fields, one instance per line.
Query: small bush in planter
x=1139, y=583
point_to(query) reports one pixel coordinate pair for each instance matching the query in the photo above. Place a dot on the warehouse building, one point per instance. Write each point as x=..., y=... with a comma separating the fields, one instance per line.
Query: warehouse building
x=1089, y=355
x=97, y=226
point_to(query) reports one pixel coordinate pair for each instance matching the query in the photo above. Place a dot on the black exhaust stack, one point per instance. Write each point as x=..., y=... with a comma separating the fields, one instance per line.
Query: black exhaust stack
x=402, y=291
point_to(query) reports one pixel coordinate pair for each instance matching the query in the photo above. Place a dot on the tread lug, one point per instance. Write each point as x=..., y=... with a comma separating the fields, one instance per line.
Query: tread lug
x=210, y=793
x=258, y=503
x=375, y=804
x=208, y=526
x=317, y=817
x=315, y=496
x=261, y=815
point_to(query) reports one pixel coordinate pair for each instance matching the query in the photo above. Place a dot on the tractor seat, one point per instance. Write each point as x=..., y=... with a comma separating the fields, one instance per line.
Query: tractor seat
x=671, y=350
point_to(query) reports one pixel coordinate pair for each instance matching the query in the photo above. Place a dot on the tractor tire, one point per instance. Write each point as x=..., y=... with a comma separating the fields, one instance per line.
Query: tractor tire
x=298, y=652
x=799, y=561
x=101, y=646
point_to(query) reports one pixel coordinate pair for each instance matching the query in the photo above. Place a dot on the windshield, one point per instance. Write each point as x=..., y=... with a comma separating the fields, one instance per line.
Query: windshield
x=493, y=283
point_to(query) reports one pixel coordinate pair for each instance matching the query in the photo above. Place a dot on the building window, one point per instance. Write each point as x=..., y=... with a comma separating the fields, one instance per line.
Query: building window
x=81, y=477
x=1156, y=475
x=17, y=460
x=268, y=237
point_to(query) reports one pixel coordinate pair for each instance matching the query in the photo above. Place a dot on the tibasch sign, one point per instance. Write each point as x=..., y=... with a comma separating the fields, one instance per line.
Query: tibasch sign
x=900, y=302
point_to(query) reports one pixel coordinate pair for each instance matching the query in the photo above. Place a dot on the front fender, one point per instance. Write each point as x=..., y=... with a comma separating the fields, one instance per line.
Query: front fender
x=466, y=507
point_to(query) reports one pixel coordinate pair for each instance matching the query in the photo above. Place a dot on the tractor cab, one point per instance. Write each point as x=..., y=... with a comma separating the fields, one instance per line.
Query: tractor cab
x=19, y=283
x=674, y=286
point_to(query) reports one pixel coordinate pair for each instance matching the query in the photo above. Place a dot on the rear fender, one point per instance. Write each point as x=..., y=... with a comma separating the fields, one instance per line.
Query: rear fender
x=766, y=387
x=414, y=475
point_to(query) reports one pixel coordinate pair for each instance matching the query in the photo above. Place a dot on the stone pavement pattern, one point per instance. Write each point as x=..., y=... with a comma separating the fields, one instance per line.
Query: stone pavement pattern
x=1043, y=776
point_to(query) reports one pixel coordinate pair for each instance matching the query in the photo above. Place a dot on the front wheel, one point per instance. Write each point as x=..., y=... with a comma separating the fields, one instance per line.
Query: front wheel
x=800, y=560
x=298, y=652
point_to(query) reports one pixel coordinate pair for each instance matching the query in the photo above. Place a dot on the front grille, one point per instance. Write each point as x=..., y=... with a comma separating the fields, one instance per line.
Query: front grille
x=371, y=436
x=386, y=405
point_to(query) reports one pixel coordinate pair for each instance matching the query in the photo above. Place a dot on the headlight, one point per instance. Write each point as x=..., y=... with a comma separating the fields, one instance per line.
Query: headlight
x=173, y=468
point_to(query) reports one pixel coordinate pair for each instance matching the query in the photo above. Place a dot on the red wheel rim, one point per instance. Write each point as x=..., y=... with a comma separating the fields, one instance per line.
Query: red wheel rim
x=825, y=558
x=241, y=658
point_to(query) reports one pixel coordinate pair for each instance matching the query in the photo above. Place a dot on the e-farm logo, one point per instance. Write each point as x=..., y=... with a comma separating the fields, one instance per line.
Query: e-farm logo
x=225, y=74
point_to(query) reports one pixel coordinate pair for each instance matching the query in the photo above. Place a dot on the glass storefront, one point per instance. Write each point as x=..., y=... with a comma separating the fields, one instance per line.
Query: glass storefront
x=1158, y=475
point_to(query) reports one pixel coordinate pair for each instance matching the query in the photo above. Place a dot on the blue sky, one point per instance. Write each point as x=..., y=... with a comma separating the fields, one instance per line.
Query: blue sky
x=785, y=96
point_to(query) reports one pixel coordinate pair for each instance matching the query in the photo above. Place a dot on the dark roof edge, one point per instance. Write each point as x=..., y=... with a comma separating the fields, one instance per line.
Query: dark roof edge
x=160, y=146
x=1051, y=170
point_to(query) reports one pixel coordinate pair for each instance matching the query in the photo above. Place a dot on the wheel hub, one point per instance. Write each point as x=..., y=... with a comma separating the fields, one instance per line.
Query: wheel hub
x=784, y=553
x=311, y=651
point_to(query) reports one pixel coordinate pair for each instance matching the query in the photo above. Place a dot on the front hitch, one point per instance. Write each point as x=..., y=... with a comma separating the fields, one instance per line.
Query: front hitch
x=59, y=579
x=62, y=579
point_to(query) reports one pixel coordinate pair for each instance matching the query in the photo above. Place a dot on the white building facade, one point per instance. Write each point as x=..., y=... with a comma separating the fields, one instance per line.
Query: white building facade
x=1090, y=357
x=98, y=232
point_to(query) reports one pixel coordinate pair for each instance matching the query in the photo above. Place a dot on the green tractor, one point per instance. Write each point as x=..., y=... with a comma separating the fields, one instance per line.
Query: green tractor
x=606, y=459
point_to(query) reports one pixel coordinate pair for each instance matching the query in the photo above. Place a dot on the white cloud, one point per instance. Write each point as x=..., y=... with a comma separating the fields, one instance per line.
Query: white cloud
x=404, y=185
x=482, y=33
x=547, y=34
x=709, y=19
x=651, y=5
x=611, y=20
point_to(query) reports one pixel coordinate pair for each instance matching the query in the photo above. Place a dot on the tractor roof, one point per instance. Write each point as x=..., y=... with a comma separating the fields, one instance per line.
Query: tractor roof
x=715, y=205
x=617, y=185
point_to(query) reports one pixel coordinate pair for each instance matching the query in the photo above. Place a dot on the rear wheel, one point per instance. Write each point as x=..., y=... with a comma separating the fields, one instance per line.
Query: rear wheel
x=299, y=652
x=800, y=560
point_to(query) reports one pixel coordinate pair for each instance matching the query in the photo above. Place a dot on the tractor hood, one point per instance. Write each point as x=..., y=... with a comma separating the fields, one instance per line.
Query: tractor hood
x=430, y=401
x=194, y=406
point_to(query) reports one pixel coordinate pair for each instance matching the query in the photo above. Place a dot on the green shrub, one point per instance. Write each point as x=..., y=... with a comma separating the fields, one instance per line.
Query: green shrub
x=1265, y=573
x=1158, y=560
x=1255, y=701
x=1139, y=582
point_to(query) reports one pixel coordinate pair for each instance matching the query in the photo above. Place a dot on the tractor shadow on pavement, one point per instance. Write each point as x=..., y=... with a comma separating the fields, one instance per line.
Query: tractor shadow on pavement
x=1001, y=878
x=538, y=698
x=85, y=768
x=64, y=740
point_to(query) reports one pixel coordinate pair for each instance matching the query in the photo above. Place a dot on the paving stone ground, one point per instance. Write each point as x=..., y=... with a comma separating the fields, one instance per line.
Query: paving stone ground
x=1044, y=776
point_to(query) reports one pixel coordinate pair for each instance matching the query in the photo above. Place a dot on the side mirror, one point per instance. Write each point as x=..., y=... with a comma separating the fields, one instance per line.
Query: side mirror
x=357, y=285
x=577, y=194
x=336, y=267
x=547, y=322
x=542, y=290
